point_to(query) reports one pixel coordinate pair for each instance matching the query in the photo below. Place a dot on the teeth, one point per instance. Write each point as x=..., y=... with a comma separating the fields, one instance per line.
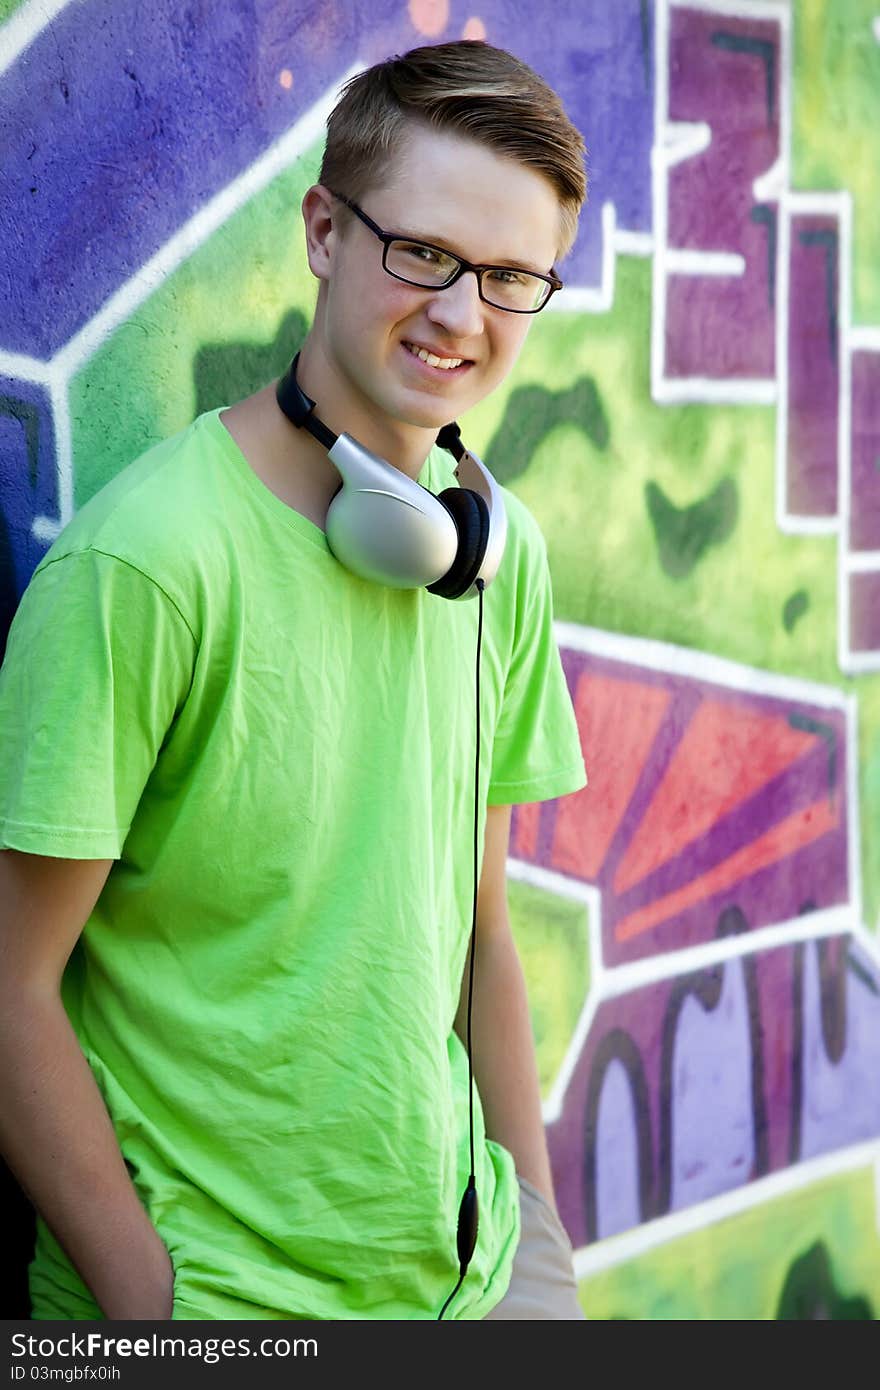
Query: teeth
x=445, y=362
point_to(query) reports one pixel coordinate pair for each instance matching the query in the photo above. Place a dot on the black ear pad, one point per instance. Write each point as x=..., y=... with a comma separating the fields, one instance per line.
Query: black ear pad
x=471, y=516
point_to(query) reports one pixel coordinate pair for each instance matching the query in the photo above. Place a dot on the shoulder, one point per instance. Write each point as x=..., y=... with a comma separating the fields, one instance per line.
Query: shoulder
x=528, y=544
x=155, y=516
x=523, y=575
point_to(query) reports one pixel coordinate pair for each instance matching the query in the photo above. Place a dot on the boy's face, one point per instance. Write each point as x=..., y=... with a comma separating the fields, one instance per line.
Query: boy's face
x=487, y=209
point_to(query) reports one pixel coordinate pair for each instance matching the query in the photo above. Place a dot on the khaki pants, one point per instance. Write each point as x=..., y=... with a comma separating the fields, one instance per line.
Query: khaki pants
x=542, y=1284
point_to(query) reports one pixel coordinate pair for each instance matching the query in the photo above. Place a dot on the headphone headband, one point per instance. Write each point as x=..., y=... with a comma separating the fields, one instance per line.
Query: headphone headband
x=299, y=408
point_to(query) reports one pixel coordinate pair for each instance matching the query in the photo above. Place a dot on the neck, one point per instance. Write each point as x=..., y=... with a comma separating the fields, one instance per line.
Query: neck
x=293, y=464
x=342, y=408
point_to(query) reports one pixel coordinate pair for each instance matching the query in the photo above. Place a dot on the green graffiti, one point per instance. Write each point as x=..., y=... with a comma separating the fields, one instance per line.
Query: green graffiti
x=829, y=135
x=794, y=608
x=144, y=382
x=684, y=534
x=809, y=1292
x=532, y=412
x=551, y=935
x=734, y=1269
x=227, y=372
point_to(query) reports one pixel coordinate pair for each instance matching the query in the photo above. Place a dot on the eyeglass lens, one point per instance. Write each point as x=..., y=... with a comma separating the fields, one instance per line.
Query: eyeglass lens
x=429, y=268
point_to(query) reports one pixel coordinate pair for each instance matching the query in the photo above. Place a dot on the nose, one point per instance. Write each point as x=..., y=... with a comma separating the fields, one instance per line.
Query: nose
x=459, y=309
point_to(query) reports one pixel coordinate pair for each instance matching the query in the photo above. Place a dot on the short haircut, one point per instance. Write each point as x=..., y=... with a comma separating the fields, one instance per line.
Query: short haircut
x=467, y=88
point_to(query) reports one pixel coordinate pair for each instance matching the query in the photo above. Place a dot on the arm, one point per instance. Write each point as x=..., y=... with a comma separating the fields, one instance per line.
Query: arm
x=505, y=1068
x=54, y=1129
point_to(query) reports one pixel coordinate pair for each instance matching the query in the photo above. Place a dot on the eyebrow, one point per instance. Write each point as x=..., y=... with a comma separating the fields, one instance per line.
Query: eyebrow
x=510, y=264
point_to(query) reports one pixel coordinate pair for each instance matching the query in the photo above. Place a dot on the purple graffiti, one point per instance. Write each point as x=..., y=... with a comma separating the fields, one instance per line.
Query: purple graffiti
x=864, y=606
x=27, y=453
x=813, y=367
x=729, y=798
x=712, y=1058
x=723, y=71
x=841, y=1049
x=600, y=59
x=121, y=123
x=864, y=525
x=617, y=1155
x=689, y=1088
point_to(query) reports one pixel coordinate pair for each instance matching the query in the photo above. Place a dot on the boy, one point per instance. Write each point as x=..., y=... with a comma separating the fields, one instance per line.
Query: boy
x=237, y=798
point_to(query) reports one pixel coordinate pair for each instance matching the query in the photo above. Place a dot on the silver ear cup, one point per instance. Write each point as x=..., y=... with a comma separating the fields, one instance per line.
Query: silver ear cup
x=385, y=527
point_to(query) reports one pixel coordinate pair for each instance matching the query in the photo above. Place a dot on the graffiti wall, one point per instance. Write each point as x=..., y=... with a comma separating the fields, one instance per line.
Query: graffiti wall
x=695, y=422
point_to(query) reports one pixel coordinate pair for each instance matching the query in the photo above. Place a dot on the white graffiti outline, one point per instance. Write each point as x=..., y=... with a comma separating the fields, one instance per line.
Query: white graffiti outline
x=671, y=145
x=607, y=982
x=677, y=141
x=25, y=25
x=793, y=204
x=58, y=372
x=628, y=1245
x=666, y=657
x=657, y=655
x=610, y=982
x=586, y=299
x=674, y=142
x=616, y=241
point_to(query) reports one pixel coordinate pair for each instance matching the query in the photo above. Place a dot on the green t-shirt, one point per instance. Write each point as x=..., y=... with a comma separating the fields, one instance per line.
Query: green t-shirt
x=280, y=757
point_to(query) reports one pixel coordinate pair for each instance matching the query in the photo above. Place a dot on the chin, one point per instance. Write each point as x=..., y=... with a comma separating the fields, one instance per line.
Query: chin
x=431, y=412
x=430, y=418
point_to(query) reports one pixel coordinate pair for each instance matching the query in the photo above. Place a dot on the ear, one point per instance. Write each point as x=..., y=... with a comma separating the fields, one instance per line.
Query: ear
x=318, y=208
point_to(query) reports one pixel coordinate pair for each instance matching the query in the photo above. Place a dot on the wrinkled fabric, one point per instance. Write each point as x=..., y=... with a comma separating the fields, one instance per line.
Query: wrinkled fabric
x=280, y=758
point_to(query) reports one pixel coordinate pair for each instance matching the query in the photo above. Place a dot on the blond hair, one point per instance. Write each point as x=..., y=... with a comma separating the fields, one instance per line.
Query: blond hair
x=466, y=88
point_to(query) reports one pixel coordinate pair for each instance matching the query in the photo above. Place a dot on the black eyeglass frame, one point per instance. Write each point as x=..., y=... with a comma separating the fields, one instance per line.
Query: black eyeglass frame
x=464, y=266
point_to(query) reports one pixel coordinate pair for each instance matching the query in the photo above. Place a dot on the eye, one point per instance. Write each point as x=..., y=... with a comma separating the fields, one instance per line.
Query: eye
x=417, y=251
x=426, y=255
x=502, y=275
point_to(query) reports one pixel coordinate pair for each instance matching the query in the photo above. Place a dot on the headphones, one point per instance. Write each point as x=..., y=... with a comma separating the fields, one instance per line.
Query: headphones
x=384, y=526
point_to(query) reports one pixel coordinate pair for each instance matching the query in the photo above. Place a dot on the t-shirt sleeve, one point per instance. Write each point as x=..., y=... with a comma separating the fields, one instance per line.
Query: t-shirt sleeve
x=98, y=663
x=536, y=754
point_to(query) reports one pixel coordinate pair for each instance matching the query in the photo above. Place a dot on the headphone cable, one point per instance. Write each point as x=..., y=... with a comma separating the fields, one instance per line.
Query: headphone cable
x=468, y=1212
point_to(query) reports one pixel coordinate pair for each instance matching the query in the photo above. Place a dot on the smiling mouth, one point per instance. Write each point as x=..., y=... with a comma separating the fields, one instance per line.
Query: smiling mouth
x=446, y=364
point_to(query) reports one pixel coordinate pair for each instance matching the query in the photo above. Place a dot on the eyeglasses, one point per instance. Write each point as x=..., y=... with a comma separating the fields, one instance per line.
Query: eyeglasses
x=433, y=268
